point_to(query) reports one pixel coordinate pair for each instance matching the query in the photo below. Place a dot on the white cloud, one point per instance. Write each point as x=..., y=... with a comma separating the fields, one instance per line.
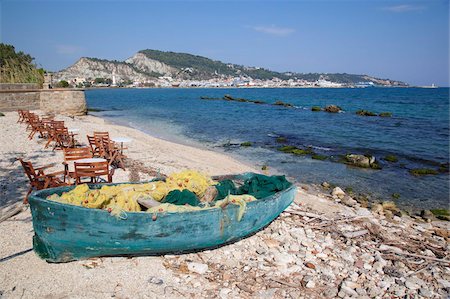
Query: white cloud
x=274, y=30
x=68, y=49
x=404, y=8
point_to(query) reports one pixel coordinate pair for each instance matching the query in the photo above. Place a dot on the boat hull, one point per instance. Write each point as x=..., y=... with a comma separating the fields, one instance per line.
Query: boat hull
x=66, y=232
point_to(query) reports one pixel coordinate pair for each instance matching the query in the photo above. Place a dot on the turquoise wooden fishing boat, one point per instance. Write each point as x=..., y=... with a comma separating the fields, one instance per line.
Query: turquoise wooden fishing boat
x=66, y=232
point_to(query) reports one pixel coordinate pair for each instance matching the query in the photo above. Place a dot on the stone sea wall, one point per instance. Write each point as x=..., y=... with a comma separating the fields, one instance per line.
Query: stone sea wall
x=68, y=102
x=19, y=96
x=31, y=97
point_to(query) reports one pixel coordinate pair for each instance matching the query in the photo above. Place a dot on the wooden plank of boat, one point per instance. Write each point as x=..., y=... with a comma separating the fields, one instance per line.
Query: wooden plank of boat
x=66, y=232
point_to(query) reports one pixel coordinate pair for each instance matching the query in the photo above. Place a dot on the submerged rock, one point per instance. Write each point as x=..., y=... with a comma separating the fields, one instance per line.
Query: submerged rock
x=319, y=157
x=365, y=113
x=281, y=103
x=391, y=158
x=316, y=108
x=441, y=214
x=281, y=139
x=423, y=171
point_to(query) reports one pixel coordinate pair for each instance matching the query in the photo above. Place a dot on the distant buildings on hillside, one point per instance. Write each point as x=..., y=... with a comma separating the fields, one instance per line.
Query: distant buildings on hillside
x=222, y=82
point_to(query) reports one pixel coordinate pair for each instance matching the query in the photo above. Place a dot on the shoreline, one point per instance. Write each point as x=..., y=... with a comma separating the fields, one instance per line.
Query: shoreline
x=323, y=245
x=366, y=196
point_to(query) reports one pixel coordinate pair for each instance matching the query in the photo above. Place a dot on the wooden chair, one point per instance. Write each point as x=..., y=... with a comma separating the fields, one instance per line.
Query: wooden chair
x=63, y=138
x=52, y=127
x=101, y=134
x=72, y=154
x=39, y=179
x=110, y=151
x=93, y=172
x=94, y=146
x=22, y=115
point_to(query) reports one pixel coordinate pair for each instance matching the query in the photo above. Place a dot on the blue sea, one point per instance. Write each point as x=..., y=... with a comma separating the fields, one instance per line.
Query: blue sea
x=417, y=133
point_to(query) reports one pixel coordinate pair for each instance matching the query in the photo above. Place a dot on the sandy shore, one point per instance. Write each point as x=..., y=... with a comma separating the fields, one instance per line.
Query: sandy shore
x=318, y=248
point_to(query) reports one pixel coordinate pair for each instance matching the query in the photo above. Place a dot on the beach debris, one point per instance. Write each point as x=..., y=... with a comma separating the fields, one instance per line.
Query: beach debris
x=11, y=211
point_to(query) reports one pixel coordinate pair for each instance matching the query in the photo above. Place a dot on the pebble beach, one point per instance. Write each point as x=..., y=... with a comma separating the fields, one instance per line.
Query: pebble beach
x=325, y=245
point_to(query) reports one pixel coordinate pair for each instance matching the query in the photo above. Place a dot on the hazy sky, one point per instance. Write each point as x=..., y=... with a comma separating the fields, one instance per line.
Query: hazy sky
x=402, y=40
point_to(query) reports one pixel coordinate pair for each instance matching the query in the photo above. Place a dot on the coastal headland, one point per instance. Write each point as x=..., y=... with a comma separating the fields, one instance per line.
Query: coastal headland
x=324, y=245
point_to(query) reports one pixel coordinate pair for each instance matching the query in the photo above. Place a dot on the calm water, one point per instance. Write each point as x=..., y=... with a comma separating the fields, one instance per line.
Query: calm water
x=418, y=132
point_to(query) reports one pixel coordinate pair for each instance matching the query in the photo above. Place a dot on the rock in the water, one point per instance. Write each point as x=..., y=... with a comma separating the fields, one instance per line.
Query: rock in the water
x=326, y=185
x=362, y=161
x=338, y=192
x=333, y=109
x=197, y=267
x=427, y=215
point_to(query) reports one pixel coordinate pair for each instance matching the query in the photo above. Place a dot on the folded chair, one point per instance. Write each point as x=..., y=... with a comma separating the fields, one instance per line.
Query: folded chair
x=39, y=179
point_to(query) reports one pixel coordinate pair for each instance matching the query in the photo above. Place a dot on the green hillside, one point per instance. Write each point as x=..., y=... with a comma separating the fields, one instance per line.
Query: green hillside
x=203, y=68
x=199, y=67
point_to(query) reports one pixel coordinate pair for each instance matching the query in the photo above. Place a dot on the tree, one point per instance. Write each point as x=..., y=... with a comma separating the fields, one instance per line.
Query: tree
x=18, y=67
x=62, y=84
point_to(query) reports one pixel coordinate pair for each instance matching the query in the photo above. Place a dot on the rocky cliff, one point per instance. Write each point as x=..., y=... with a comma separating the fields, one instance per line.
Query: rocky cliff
x=150, y=66
x=98, y=68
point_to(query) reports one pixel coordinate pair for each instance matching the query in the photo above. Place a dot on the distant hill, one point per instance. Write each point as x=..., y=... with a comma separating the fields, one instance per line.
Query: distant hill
x=151, y=64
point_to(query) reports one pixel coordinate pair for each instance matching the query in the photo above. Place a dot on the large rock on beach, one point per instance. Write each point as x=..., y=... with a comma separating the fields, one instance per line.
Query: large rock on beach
x=338, y=192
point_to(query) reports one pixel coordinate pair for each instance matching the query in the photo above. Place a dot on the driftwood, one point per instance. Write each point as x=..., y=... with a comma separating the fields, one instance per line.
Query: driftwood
x=355, y=234
x=307, y=214
x=284, y=282
x=425, y=257
x=11, y=211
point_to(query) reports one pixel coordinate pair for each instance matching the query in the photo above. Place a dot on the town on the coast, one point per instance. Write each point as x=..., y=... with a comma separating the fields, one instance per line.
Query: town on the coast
x=153, y=68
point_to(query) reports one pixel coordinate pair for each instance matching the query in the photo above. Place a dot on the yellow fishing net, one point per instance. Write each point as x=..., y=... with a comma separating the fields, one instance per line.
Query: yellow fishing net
x=124, y=198
x=191, y=180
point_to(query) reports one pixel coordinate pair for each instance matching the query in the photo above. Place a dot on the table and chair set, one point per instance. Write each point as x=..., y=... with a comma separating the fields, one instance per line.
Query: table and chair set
x=95, y=163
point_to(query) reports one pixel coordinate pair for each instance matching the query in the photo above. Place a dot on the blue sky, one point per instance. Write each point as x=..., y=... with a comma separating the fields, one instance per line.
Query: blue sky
x=402, y=40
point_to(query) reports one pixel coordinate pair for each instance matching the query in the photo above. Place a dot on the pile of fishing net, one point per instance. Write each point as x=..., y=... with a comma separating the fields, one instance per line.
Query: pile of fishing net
x=184, y=191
